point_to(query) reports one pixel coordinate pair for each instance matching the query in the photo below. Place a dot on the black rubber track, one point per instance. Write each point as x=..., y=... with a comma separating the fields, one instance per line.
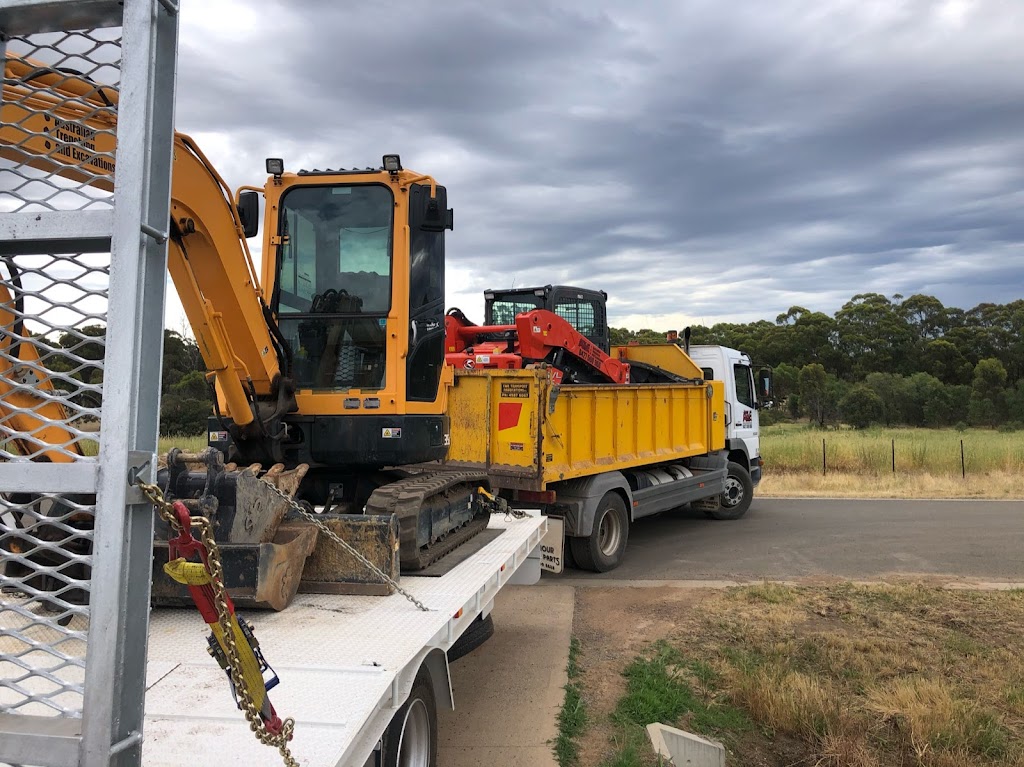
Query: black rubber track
x=406, y=498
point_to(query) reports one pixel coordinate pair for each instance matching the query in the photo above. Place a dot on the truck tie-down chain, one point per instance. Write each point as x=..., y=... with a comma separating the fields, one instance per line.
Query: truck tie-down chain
x=499, y=505
x=224, y=619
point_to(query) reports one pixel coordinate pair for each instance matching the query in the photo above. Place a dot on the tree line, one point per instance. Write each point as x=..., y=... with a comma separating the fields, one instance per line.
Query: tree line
x=185, y=402
x=898, y=361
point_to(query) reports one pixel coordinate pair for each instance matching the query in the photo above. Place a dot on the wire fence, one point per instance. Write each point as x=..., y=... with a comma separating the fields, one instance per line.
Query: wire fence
x=916, y=452
x=824, y=457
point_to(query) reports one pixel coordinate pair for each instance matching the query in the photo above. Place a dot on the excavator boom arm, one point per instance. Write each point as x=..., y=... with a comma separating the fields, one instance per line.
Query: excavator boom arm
x=64, y=124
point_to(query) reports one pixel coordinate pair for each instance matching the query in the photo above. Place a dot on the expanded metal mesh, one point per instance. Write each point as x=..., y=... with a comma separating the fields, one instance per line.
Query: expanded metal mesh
x=46, y=542
x=52, y=329
x=57, y=114
x=57, y=152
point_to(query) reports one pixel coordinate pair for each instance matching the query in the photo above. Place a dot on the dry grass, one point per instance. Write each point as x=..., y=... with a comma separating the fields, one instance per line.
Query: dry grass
x=794, y=447
x=852, y=676
x=788, y=701
x=811, y=484
x=859, y=464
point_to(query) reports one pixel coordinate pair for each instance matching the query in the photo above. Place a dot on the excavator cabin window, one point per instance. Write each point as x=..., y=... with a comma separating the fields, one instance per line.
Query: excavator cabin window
x=334, y=283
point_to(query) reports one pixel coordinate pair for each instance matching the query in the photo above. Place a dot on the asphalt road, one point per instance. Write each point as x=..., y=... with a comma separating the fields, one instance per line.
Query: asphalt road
x=782, y=539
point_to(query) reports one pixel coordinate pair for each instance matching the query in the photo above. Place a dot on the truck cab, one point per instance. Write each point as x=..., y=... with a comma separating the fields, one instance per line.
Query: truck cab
x=745, y=393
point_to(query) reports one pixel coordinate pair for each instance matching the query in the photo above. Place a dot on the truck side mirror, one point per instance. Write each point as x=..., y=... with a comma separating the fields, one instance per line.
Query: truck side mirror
x=249, y=212
x=765, y=386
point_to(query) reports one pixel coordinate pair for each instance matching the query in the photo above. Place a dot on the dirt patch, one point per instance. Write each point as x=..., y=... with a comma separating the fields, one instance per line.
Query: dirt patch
x=613, y=625
x=830, y=674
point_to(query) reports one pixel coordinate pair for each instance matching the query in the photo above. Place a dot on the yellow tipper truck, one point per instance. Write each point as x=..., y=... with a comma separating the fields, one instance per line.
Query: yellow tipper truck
x=599, y=454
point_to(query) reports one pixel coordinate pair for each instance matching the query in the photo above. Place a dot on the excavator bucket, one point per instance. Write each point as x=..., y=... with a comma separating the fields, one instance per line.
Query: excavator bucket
x=263, y=560
x=259, y=510
x=332, y=569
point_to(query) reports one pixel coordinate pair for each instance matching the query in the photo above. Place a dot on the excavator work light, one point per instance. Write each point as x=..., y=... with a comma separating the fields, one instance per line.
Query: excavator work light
x=275, y=166
x=392, y=163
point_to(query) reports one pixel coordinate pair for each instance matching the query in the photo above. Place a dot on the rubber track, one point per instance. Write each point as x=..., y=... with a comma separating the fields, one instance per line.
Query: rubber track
x=406, y=498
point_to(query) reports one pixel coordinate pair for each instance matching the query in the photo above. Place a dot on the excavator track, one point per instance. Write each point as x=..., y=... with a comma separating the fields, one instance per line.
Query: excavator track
x=413, y=497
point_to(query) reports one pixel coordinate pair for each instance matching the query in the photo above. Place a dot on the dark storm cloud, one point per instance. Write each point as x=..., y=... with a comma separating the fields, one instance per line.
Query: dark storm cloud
x=697, y=160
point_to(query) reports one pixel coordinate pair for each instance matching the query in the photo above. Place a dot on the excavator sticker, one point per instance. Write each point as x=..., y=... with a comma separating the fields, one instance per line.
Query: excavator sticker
x=392, y=433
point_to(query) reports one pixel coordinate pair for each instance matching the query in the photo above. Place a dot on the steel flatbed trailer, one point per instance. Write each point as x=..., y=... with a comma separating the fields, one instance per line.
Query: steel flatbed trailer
x=346, y=663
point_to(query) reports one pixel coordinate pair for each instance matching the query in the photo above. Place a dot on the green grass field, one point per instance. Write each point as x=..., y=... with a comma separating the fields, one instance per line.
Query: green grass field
x=188, y=443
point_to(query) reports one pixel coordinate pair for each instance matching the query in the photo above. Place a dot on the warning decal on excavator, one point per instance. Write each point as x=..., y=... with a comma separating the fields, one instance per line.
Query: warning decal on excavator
x=393, y=433
x=515, y=390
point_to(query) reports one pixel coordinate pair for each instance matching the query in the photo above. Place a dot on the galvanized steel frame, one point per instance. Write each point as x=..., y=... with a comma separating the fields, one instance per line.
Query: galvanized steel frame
x=110, y=730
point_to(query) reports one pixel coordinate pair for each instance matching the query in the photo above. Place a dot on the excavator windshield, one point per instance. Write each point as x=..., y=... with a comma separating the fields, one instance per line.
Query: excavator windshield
x=334, y=283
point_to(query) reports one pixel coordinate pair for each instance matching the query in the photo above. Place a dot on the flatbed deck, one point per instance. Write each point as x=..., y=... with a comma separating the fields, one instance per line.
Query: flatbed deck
x=343, y=662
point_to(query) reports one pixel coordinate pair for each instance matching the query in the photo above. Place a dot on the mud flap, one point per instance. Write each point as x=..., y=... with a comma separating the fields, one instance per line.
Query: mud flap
x=713, y=503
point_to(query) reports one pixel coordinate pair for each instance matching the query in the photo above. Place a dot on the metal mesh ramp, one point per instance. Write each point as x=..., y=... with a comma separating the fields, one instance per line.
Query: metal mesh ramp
x=83, y=176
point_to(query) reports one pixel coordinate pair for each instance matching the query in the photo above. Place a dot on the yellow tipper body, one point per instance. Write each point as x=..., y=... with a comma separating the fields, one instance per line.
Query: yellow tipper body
x=527, y=433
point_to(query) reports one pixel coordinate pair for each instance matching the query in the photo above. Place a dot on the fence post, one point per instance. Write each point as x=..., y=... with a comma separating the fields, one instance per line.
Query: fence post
x=894, y=456
x=823, y=456
x=963, y=466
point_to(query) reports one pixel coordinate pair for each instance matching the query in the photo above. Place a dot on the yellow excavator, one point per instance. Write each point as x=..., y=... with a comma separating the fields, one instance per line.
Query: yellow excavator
x=328, y=366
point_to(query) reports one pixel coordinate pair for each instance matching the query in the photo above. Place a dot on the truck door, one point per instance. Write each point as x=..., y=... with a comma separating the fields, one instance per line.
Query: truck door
x=744, y=417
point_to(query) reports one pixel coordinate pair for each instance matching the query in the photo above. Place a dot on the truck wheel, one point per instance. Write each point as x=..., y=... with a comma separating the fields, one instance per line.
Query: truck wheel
x=739, y=492
x=602, y=550
x=479, y=631
x=411, y=738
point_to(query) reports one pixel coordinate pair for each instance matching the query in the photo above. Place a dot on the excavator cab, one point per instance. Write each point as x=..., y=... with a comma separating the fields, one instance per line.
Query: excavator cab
x=584, y=309
x=353, y=281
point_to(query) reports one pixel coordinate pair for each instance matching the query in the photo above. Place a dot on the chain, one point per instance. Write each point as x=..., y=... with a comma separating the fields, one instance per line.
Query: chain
x=248, y=705
x=305, y=514
x=500, y=505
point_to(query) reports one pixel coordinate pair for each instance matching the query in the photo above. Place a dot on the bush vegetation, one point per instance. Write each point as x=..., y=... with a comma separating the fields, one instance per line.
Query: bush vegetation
x=897, y=361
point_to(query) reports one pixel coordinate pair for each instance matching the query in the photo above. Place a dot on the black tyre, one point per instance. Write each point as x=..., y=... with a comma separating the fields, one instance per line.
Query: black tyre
x=411, y=738
x=479, y=631
x=602, y=550
x=739, y=492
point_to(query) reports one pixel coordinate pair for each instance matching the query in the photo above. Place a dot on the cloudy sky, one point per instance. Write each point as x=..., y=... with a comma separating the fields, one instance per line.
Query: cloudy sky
x=701, y=161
